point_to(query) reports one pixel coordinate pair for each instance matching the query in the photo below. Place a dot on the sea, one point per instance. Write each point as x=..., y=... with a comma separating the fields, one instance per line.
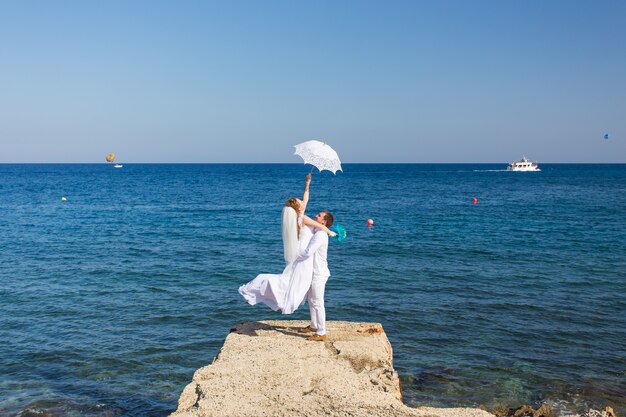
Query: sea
x=117, y=284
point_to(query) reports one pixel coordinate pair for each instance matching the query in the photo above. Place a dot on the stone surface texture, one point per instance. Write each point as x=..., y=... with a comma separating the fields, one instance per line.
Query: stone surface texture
x=269, y=369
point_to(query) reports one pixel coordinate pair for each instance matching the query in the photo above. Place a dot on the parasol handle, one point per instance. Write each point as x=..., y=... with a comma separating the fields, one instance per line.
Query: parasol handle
x=312, y=168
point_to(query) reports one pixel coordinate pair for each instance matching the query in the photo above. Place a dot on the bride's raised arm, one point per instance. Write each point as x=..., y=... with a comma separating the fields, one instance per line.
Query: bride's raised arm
x=306, y=220
x=305, y=195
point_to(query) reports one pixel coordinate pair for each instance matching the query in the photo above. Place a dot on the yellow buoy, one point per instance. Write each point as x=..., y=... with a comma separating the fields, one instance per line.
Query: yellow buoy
x=63, y=199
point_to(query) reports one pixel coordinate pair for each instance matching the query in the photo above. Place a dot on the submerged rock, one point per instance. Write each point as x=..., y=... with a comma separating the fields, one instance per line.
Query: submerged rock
x=524, y=411
x=34, y=413
x=269, y=369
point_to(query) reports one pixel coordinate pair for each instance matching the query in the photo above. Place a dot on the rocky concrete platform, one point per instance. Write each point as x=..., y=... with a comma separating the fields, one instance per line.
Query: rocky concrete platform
x=268, y=369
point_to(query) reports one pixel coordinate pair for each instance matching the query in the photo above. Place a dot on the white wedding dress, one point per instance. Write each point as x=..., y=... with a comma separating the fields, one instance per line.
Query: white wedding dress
x=287, y=291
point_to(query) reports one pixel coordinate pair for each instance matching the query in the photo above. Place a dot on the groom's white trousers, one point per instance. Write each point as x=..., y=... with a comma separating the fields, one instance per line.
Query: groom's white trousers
x=316, y=303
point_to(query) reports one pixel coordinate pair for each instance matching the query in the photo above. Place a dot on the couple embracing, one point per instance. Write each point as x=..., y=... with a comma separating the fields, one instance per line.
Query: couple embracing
x=305, y=243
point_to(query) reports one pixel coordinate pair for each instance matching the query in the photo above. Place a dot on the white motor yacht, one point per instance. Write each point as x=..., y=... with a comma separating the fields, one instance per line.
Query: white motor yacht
x=523, y=165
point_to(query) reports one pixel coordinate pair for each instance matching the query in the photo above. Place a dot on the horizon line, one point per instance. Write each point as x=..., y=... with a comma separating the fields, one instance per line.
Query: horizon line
x=295, y=163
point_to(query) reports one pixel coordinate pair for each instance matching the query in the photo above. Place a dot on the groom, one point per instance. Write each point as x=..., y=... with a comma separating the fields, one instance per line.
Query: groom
x=318, y=248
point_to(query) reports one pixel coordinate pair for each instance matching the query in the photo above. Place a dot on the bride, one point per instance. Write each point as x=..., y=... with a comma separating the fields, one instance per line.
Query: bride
x=287, y=291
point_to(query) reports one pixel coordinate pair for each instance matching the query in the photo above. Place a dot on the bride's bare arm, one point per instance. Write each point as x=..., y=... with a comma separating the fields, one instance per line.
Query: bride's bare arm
x=305, y=195
x=306, y=220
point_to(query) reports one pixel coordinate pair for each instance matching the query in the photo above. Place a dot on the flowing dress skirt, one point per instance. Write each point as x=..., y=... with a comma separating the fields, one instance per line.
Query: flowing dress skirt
x=287, y=291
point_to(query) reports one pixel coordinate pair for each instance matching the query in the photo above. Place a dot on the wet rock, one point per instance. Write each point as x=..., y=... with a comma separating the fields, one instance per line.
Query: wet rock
x=605, y=412
x=502, y=411
x=609, y=412
x=525, y=410
x=544, y=411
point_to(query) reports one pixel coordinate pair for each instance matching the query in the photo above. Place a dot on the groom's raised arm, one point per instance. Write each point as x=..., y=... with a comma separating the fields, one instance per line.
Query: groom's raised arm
x=318, y=239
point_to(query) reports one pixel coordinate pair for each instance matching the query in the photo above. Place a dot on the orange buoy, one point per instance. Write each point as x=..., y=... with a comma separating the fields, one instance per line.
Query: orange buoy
x=474, y=200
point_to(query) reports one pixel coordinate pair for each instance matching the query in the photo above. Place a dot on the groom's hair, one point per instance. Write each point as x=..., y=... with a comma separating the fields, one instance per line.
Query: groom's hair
x=328, y=217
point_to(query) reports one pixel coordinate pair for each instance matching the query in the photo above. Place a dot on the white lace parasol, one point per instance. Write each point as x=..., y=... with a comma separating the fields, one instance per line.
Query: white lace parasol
x=320, y=155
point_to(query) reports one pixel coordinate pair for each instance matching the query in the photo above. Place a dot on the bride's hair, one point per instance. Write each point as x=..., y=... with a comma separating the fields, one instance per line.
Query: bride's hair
x=295, y=205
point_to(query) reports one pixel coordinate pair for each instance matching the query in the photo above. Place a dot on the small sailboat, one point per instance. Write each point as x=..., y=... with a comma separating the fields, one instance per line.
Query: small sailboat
x=118, y=166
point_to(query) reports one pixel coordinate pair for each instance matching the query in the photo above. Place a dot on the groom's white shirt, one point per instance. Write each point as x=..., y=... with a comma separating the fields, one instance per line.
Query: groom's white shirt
x=318, y=246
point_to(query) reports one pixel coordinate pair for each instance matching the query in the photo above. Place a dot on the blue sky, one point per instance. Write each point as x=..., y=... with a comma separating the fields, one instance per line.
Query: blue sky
x=243, y=81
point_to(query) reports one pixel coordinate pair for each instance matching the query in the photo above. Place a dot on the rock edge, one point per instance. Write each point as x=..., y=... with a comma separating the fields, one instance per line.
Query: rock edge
x=268, y=368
